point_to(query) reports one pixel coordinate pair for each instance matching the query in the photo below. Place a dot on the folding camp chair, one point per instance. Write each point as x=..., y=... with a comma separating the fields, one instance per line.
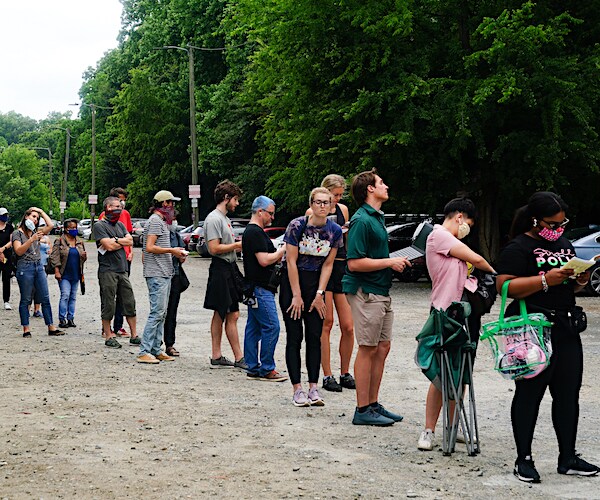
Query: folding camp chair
x=445, y=354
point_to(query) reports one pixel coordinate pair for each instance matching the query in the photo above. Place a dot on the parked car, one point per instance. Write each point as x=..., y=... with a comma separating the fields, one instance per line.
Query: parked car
x=87, y=233
x=57, y=229
x=274, y=232
x=138, y=231
x=586, y=242
x=83, y=224
x=198, y=239
x=193, y=238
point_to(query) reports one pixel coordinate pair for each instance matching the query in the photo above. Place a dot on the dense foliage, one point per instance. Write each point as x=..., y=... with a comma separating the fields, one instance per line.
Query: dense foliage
x=491, y=99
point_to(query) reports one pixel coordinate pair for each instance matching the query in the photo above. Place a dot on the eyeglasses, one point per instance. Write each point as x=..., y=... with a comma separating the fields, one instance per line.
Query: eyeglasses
x=556, y=225
x=322, y=203
x=272, y=214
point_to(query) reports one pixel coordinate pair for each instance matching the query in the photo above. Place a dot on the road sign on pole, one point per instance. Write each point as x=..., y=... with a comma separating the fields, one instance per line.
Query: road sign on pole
x=194, y=191
x=92, y=199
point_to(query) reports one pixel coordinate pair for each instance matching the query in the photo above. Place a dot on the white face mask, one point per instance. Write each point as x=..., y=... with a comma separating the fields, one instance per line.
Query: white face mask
x=123, y=203
x=29, y=224
x=463, y=230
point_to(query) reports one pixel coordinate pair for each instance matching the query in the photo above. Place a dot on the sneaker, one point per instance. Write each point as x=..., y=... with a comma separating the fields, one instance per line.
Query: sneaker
x=578, y=467
x=525, y=470
x=148, y=358
x=330, y=384
x=164, y=357
x=55, y=333
x=7, y=306
x=460, y=438
x=135, y=340
x=426, y=440
x=112, y=342
x=314, y=397
x=347, y=381
x=371, y=417
x=221, y=362
x=300, y=398
x=37, y=314
x=241, y=364
x=122, y=333
x=388, y=414
x=273, y=376
x=63, y=324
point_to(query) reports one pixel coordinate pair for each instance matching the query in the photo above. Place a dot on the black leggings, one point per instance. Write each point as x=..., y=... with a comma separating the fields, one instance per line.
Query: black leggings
x=313, y=324
x=563, y=377
x=6, y=270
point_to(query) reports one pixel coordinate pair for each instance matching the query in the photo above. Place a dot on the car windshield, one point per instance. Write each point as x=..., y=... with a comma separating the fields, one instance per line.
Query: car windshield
x=581, y=232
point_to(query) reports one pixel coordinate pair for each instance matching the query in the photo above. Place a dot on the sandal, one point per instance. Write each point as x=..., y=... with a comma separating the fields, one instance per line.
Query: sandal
x=112, y=342
x=171, y=351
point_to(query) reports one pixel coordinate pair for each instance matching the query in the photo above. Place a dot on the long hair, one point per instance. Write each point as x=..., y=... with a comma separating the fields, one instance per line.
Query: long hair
x=541, y=204
x=22, y=225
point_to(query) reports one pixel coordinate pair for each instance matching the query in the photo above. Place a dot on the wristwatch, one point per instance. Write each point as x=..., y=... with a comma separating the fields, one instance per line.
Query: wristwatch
x=321, y=292
x=117, y=240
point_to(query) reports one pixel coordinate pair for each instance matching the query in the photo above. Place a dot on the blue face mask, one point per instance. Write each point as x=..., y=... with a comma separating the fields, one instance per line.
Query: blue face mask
x=72, y=232
x=29, y=224
x=4, y=218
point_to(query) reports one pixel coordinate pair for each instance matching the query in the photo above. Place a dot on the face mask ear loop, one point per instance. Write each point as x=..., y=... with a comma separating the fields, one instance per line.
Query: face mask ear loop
x=535, y=222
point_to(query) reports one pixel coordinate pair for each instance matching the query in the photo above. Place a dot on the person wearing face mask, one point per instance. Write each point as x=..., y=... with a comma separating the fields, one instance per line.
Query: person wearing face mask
x=67, y=259
x=30, y=272
x=532, y=260
x=447, y=257
x=6, y=229
x=157, y=258
x=125, y=219
x=111, y=238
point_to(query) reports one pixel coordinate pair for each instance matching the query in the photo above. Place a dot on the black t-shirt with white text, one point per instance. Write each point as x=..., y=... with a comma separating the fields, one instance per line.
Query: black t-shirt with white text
x=526, y=256
x=255, y=240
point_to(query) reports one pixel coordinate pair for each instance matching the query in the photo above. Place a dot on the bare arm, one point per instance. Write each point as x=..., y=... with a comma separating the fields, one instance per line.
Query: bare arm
x=266, y=259
x=152, y=247
x=49, y=225
x=367, y=265
x=521, y=287
x=215, y=247
x=464, y=253
x=21, y=248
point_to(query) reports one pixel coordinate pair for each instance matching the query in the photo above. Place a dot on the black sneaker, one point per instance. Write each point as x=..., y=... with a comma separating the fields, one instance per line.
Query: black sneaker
x=330, y=384
x=347, y=381
x=63, y=324
x=71, y=324
x=577, y=467
x=525, y=470
x=221, y=362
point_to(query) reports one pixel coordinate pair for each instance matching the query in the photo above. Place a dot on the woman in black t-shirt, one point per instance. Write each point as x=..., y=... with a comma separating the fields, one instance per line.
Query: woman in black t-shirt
x=532, y=261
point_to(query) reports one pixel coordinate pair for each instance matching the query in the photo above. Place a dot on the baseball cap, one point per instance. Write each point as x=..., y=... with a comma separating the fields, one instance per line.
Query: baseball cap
x=165, y=196
x=3, y=211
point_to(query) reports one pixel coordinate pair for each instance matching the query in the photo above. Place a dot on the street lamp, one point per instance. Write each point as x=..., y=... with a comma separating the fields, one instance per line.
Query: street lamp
x=63, y=191
x=50, y=168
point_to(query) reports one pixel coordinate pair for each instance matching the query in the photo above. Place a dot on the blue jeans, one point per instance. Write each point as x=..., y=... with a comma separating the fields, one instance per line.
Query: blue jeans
x=158, y=291
x=31, y=275
x=68, y=297
x=262, y=326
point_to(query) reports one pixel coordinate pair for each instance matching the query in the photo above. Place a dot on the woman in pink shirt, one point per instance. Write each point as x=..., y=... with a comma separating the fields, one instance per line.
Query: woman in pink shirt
x=447, y=259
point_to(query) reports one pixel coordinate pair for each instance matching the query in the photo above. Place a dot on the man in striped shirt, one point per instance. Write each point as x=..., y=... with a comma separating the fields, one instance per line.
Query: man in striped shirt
x=158, y=271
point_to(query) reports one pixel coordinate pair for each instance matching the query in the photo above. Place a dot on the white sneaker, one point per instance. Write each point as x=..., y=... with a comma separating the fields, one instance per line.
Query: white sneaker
x=7, y=306
x=460, y=438
x=426, y=440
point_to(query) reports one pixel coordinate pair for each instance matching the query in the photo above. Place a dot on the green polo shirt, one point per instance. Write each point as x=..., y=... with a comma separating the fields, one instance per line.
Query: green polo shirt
x=367, y=237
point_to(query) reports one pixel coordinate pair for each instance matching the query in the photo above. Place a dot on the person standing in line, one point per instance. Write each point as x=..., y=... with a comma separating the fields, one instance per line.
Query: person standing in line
x=67, y=259
x=175, y=293
x=312, y=242
x=447, y=258
x=532, y=261
x=45, y=249
x=262, y=326
x=158, y=271
x=30, y=272
x=125, y=219
x=111, y=238
x=334, y=295
x=367, y=284
x=6, y=229
x=221, y=292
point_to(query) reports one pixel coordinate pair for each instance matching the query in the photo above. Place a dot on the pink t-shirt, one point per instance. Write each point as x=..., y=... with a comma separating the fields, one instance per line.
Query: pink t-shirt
x=448, y=274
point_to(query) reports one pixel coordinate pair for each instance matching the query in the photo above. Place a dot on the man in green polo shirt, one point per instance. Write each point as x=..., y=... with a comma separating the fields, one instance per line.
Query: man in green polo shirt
x=367, y=286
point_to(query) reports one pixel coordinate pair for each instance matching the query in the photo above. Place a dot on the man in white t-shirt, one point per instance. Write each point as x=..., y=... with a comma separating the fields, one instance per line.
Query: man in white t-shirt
x=158, y=271
x=221, y=292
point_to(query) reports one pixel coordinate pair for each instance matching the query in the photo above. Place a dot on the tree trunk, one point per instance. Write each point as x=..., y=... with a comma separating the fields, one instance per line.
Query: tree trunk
x=489, y=228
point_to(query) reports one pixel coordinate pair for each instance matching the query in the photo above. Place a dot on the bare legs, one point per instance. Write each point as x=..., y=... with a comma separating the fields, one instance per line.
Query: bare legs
x=347, y=333
x=368, y=372
x=231, y=331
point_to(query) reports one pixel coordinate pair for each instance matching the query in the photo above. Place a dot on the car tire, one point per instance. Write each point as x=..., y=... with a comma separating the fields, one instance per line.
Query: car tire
x=593, y=286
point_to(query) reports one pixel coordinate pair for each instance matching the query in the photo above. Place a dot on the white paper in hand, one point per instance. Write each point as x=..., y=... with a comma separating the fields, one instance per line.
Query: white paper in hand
x=578, y=265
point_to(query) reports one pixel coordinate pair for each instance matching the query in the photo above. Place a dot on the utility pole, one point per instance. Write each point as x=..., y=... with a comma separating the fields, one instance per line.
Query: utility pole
x=51, y=188
x=63, y=190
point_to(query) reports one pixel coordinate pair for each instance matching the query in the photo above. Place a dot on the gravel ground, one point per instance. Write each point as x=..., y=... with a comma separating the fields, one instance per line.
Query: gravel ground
x=82, y=420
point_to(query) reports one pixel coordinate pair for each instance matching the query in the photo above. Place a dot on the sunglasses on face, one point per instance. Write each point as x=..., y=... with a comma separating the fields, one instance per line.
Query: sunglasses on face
x=555, y=225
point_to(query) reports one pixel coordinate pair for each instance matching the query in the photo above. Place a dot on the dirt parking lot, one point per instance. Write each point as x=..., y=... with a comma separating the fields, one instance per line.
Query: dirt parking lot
x=81, y=420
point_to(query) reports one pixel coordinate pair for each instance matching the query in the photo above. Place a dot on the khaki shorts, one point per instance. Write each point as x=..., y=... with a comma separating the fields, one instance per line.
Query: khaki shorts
x=373, y=317
x=115, y=286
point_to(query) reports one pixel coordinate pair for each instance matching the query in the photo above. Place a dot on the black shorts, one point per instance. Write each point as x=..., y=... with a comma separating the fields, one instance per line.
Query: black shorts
x=337, y=273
